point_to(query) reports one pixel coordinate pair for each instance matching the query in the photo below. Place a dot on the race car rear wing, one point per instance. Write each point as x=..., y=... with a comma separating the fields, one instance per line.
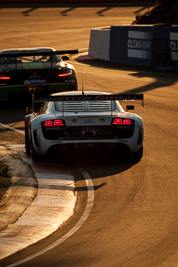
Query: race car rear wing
x=15, y=57
x=99, y=97
x=38, y=53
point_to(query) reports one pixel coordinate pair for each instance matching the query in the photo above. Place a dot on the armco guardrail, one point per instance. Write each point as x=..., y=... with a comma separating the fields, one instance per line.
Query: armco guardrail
x=155, y=46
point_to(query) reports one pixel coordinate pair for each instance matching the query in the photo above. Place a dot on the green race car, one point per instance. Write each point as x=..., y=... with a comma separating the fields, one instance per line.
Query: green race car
x=39, y=70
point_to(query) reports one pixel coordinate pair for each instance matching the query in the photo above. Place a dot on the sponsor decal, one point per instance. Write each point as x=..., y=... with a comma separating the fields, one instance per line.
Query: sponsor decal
x=36, y=81
x=174, y=45
x=139, y=44
x=92, y=97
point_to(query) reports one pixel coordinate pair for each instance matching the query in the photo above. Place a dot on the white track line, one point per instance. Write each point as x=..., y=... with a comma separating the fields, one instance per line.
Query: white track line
x=83, y=218
x=53, y=205
x=11, y=128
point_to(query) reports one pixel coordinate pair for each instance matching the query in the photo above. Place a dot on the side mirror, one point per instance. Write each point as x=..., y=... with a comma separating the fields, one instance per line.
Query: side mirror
x=130, y=107
x=64, y=58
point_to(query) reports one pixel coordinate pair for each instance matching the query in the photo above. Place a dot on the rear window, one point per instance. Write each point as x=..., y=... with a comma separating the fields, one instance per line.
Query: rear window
x=30, y=59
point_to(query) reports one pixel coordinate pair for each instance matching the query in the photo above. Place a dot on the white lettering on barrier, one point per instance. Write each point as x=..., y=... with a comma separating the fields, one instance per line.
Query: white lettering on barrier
x=174, y=45
x=139, y=44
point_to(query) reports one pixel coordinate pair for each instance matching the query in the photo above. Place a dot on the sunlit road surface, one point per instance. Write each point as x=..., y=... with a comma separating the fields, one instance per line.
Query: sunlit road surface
x=133, y=221
x=53, y=202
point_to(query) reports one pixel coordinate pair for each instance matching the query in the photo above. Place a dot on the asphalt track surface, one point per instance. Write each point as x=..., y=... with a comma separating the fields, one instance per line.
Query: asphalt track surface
x=69, y=2
x=133, y=221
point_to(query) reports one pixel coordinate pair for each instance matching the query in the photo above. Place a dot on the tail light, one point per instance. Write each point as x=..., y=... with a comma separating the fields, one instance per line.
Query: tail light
x=5, y=77
x=65, y=73
x=122, y=121
x=53, y=123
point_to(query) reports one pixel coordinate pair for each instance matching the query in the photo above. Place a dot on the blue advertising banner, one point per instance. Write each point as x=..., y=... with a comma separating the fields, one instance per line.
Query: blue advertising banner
x=165, y=48
x=131, y=45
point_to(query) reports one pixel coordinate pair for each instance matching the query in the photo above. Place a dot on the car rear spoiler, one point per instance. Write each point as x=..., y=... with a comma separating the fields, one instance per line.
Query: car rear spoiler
x=16, y=55
x=99, y=97
x=38, y=53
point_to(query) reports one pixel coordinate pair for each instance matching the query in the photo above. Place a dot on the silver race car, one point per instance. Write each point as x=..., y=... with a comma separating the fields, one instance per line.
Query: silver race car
x=84, y=120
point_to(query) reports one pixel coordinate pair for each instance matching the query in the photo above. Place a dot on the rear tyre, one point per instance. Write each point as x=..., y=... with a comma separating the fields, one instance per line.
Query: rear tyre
x=138, y=155
x=123, y=153
x=36, y=157
x=27, y=141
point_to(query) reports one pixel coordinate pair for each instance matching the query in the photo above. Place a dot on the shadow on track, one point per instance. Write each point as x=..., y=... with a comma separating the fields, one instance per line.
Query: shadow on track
x=73, y=4
x=10, y=114
x=99, y=164
x=161, y=79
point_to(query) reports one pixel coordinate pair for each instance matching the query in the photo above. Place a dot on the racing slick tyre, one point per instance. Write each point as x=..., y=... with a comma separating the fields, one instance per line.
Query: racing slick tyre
x=138, y=155
x=36, y=157
x=122, y=153
x=27, y=141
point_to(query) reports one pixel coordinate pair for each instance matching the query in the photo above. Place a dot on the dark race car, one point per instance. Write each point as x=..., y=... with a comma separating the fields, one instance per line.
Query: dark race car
x=38, y=70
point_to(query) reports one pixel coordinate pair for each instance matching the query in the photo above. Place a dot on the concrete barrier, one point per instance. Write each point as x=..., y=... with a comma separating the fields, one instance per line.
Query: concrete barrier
x=155, y=46
x=99, y=43
x=165, y=48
